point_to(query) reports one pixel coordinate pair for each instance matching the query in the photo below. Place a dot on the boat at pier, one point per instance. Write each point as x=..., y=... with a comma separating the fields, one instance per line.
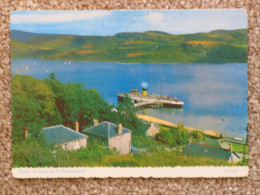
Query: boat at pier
x=138, y=98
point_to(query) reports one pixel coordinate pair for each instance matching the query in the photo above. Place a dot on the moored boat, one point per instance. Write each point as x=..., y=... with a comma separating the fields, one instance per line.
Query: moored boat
x=138, y=97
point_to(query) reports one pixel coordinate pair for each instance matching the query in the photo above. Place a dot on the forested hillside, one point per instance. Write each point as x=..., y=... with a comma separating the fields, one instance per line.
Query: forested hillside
x=148, y=47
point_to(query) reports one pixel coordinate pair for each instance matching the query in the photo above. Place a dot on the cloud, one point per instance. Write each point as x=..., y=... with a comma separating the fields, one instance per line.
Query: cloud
x=154, y=18
x=55, y=17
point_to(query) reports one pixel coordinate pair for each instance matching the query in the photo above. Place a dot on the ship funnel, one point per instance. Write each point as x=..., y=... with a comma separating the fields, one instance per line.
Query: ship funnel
x=144, y=86
x=144, y=92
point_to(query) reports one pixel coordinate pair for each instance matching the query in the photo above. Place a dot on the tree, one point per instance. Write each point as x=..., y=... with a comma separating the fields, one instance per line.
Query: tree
x=76, y=103
x=33, y=106
x=198, y=134
x=52, y=76
x=180, y=126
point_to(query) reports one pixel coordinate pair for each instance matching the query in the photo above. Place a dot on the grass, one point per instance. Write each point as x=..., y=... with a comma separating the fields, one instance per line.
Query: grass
x=239, y=148
x=142, y=141
x=158, y=158
x=97, y=155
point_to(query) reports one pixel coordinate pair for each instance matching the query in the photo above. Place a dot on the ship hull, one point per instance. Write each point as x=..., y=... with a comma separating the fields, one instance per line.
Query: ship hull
x=171, y=105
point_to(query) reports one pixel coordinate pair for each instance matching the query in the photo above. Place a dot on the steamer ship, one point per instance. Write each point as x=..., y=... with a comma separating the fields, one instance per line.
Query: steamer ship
x=138, y=97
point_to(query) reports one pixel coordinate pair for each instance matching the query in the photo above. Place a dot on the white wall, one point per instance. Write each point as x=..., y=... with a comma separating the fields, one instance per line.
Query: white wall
x=75, y=144
x=122, y=143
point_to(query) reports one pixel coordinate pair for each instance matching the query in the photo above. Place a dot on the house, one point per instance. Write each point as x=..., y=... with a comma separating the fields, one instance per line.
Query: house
x=199, y=150
x=65, y=137
x=112, y=135
x=153, y=130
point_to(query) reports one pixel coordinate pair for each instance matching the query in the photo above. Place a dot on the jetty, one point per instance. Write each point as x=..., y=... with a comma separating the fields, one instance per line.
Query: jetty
x=148, y=104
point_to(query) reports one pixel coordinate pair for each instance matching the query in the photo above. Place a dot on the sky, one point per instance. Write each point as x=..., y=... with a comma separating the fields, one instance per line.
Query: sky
x=109, y=23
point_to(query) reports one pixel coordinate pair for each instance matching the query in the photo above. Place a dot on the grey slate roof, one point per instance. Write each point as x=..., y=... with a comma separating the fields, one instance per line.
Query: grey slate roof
x=60, y=134
x=199, y=150
x=105, y=129
x=211, y=142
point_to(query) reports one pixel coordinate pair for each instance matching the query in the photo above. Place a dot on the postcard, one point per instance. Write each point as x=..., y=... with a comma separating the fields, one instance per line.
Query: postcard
x=127, y=93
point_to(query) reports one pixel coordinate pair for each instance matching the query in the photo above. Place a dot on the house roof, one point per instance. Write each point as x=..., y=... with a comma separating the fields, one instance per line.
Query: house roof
x=211, y=142
x=60, y=134
x=199, y=150
x=105, y=129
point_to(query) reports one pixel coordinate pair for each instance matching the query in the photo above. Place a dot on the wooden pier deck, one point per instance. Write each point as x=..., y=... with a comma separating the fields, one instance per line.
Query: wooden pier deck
x=148, y=104
x=141, y=104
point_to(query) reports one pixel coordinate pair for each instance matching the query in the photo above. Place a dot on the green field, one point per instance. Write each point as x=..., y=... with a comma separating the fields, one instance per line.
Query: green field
x=149, y=47
x=239, y=148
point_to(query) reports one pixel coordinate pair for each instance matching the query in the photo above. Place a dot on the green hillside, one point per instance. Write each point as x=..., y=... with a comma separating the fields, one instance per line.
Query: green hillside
x=148, y=47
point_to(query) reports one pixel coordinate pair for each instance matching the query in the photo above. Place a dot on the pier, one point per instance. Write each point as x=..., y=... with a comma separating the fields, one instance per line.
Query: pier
x=149, y=103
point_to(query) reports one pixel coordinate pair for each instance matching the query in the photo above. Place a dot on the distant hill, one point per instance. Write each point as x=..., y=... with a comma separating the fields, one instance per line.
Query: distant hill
x=217, y=46
x=22, y=36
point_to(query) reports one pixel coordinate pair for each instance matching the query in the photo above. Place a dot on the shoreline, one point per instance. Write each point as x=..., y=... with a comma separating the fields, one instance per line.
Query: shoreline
x=136, y=63
x=211, y=132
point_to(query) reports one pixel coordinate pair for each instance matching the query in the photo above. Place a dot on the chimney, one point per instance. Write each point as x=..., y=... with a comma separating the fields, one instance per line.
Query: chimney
x=95, y=122
x=230, y=147
x=25, y=132
x=120, y=129
x=77, y=126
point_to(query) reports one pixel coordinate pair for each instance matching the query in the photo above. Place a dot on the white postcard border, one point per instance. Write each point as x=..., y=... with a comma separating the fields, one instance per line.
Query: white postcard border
x=119, y=172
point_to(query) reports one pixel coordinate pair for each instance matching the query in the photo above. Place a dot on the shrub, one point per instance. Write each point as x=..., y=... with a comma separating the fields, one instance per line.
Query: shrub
x=180, y=126
x=198, y=135
x=173, y=136
x=31, y=152
x=120, y=161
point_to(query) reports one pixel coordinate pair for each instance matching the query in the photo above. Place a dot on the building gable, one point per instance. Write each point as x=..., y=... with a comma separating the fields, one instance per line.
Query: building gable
x=105, y=130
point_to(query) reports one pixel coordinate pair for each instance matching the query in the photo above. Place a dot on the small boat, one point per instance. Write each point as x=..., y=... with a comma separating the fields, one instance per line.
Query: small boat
x=26, y=67
x=238, y=138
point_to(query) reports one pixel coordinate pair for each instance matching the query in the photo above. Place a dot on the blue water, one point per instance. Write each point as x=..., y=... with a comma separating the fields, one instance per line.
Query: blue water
x=214, y=95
